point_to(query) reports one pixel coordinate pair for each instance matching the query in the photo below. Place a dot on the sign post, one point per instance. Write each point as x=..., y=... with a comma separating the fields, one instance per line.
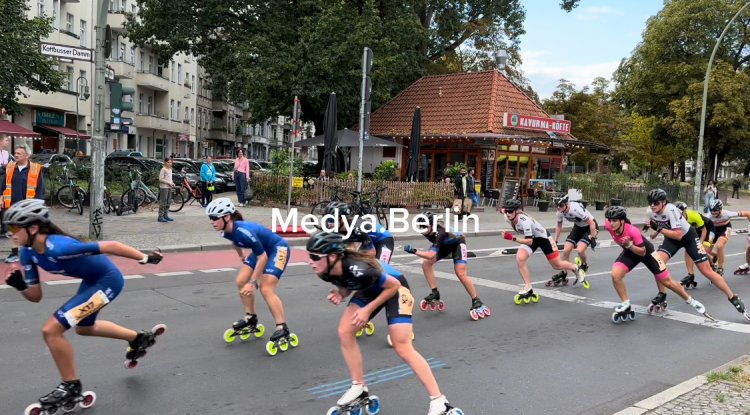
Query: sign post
x=96, y=215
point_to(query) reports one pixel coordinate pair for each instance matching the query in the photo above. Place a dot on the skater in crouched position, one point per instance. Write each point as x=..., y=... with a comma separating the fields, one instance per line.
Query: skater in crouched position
x=583, y=234
x=261, y=268
x=637, y=250
x=703, y=228
x=719, y=237
x=375, y=286
x=678, y=234
x=535, y=237
x=44, y=245
x=377, y=242
x=445, y=244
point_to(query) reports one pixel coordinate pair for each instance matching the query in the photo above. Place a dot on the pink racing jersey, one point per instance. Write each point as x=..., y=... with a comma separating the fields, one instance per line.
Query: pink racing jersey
x=630, y=231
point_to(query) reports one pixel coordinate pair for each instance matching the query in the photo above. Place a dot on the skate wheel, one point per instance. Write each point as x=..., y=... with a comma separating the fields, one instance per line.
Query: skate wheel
x=578, y=261
x=433, y=306
x=373, y=406
x=586, y=284
x=229, y=335
x=131, y=364
x=650, y=309
x=535, y=298
x=388, y=339
x=69, y=407
x=455, y=411
x=33, y=409
x=517, y=299
x=441, y=306
x=359, y=333
x=487, y=310
x=615, y=318
x=473, y=314
x=549, y=283
x=480, y=313
x=284, y=345
x=423, y=305
x=527, y=300
x=293, y=340
x=159, y=329
x=370, y=329
x=244, y=334
x=271, y=348
x=694, y=284
x=89, y=398
x=333, y=411
x=565, y=282
x=631, y=316
x=260, y=329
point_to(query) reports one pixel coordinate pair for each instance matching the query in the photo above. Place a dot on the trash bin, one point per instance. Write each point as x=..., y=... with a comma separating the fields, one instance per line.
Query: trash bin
x=615, y=202
x=600, y=205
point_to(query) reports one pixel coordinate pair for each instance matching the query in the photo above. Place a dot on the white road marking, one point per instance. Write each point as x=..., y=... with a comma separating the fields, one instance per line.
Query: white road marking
x=61, y=282
x=133, y=277
x=209, y=271
x=3, y=286
x=173, y=273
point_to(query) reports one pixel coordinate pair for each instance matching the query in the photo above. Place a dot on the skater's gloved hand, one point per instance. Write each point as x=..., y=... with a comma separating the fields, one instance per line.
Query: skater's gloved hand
x=508, y=236
x=15, y=280
x=410, y=249
x=154, y=257
x=335, y=297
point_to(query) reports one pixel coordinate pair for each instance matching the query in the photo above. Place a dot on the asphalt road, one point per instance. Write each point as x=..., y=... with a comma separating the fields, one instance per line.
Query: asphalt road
x=562, y=355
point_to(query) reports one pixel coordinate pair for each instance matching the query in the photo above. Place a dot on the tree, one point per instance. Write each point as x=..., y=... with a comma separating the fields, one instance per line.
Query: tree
x=22, y=64
x=264, y=52
x=649, y=154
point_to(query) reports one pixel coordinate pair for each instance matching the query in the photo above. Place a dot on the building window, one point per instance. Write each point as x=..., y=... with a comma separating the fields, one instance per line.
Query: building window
x=132, y=9
x=187, y=113
x=149, y=105
x=69, y=70
x=84, y=81
x=123, y=5
x=151, y=64
x=122, y=52
x=69, y=23
x=56, y=13
x=177, y=115
x=172, y=78
x=112, y=6
x=84, y=38
x=389, y=152
x=142, y=56
x=179, y=73
x=132, y=55
x=200, y=118
x=140, y=103
x=192, y=83
x=192, y=116
x=42, y=8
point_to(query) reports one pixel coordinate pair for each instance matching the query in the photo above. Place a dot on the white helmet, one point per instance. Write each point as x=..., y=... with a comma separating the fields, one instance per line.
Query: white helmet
x=27, y=212
x=220, y=207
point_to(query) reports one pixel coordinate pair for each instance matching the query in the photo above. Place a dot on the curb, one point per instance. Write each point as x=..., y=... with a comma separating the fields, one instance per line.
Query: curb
x=664, y=397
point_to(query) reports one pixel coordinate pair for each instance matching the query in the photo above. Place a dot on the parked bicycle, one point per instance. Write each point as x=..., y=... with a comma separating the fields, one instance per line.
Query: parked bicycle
x=70, y=194
x=183, y=193
x=368, y=203
x=110, y=205
x=134, y=196
x=320, y=207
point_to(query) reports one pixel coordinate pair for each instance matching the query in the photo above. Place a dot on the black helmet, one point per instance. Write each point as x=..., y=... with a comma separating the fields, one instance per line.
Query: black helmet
x=512, y=205
x=563, y=201
x=322, y=242
x=716, y=205
x=429, y=216
x=342, y=207
x=656, y=195
x=616, y=212
x=680, y=205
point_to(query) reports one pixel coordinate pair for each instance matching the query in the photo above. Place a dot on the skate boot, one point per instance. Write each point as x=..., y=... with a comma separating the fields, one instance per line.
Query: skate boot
x=561, y=278
x=527, y=296
x=281, y=339
x=658, y=304
x=689, y=281
x=244, y=327
x=144, y=340
x=743, y=269
x=720, y=271
x=440, y=406
x=740, y=306
x=432, y=301
x=584, y=266
x=478, y=309
x=623, y=313
x=354, y=400
x=581, y=277
x=66, y=396
x=699, y=307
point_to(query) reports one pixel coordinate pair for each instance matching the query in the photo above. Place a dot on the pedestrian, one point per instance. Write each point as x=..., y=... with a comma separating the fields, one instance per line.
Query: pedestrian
x=4, y=160
x=474, y=196
x=208, y=177
x=375, y=286
x=322, y=176
x=241, y=177
x=261, y=269
x=463, y=190
x=636, y=250
x=583, y=234
x=165, y=190
x=709, y=194
x=535, y=237
x=667, y=220
x=44, y=245
x=23, y=180
x=445, y=244
x=736, y=184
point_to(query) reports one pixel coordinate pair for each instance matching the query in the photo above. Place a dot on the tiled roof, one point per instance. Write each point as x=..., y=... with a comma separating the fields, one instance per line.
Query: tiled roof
x=456, y=105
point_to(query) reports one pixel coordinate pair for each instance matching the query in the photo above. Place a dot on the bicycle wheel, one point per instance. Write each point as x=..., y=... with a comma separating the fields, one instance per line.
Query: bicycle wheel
x=140, y=195
x=382, y=217
x=177, y=202
x=107, y=206
x=79, y=201
x=65, y=196
x=129, y=200
x=320, y=207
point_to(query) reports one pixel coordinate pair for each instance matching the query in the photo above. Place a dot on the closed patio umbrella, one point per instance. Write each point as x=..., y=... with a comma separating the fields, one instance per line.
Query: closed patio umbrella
x=412, y=165
x=331, y=139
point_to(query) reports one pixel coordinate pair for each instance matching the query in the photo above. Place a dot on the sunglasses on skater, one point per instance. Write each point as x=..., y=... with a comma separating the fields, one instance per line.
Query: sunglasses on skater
x=316, y=257
x=214, y=217
x=13, y=229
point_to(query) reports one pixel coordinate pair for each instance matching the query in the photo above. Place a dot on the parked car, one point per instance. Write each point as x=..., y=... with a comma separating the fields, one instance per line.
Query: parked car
x=255, y=165
x=52, y=160
x=224, y=170
x=129, y=153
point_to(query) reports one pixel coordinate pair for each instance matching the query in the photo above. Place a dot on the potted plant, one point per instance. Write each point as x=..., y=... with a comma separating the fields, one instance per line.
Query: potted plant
x=543, y=202
x=600, y=204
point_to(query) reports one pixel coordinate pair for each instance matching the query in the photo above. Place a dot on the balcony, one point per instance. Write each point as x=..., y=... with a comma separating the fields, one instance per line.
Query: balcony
x=116, y=20
x=122, y=68
x=153, y=121
x=151, y=80
x=219, y=106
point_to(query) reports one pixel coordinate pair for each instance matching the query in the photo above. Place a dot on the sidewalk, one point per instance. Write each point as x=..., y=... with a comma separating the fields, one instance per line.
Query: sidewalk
x=191, y=230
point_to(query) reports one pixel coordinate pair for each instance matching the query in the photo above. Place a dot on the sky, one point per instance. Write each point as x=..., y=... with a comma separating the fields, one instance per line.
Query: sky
x=581, y=45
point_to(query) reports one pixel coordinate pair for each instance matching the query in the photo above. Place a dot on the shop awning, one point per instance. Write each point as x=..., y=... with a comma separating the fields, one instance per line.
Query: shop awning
x=67, y=132
x=13, y=130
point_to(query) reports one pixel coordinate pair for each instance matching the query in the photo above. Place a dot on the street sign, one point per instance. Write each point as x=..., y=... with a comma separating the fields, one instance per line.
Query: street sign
x=297, y=182
x=69, y=52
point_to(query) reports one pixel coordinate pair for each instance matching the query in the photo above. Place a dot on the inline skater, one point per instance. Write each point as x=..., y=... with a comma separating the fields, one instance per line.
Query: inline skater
x=744, y=269
x=535, y=237
x=261, y=268
x=679, y=234
x=378, y=242
x=721, y=219
x=445, y=244
x=375, y=286
x=44, y=245
x=583, y=234
x=703, y=227
x=637, y=250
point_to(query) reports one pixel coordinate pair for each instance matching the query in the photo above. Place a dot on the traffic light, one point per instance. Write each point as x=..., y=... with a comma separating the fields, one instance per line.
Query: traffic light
x=116, y=104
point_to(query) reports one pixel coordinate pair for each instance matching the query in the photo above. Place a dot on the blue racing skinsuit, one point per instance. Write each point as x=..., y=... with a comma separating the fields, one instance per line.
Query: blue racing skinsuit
x=259, y=240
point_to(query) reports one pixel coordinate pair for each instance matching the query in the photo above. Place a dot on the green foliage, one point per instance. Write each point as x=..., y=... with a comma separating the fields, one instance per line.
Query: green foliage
x=454, y=170
x=280, y=164
x=385, y=171
x=347, y=175
x=21, y=61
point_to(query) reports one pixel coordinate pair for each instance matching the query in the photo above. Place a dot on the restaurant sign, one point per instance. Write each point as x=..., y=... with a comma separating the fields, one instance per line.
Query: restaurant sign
x=527, y=122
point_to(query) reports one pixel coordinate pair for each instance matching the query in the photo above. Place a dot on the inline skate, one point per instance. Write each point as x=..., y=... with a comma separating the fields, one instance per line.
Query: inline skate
x=281, y=339
x=353, y=400
x=689, y=281
x=584, y=266
x=368, y=329
x=742, y=270
x=67, y=396
x=623, y=313
x=440, y=406
x=658, y=303
x=478, y=309
x=581, y=274
x=740, y=306
x=244, y=327
x=432, y=301
x=526, y=296
x=719, y=270
x=144, y=340
x=559, y=279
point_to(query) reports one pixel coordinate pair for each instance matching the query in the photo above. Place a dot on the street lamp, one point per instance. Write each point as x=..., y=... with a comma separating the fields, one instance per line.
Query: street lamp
x=699, y=159
x=80, y=86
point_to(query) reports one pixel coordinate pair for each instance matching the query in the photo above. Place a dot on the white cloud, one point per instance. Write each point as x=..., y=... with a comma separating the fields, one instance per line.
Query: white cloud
x=595, y=13
x=544, y=74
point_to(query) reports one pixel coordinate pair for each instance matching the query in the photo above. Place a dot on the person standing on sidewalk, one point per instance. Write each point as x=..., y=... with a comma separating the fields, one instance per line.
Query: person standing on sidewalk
x=709, y=194
x=736, y=183
x=23, y=180
x=208, y=176
x=4, y=160
x=462, y=194
x=165, y=190
x=241, y=177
